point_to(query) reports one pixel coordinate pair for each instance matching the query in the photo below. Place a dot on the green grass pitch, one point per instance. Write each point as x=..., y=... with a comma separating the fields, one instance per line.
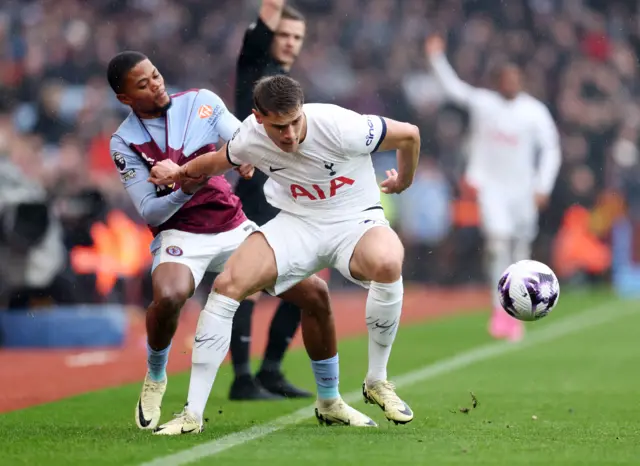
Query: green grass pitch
x=570, y=400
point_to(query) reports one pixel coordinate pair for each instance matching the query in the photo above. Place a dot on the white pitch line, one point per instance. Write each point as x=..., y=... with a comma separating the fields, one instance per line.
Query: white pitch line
x=587, y=319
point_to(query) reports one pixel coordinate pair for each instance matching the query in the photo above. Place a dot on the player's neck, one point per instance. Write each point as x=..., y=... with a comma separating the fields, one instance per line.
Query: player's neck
x=511, y=97
x=150, y=116
x=157, y=113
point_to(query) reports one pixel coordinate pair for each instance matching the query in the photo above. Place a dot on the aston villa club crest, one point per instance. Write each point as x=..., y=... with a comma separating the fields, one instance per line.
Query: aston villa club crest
x=174, y=251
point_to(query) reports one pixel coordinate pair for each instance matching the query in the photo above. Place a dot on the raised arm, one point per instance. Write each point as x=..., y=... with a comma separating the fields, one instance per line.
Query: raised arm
x=258, y=37
x=270, y=12
x=455, y=89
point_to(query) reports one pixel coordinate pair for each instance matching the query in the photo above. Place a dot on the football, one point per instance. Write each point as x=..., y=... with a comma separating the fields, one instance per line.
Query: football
x=528, y=290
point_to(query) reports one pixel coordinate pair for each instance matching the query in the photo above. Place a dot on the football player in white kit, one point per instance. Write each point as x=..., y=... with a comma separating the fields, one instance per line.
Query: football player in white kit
x=508, y=129
x=321, y=177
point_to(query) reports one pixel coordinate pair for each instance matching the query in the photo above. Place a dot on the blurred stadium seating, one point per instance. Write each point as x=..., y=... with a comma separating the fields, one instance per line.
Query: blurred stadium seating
x=57, y=114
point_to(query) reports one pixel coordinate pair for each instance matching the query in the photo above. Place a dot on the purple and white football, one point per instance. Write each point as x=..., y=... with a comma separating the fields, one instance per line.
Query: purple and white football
x=528, y=290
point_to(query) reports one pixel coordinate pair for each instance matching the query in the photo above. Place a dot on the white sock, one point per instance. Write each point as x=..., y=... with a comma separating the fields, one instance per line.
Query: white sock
x=499, y=258
x=210, y=347
x=384, y=306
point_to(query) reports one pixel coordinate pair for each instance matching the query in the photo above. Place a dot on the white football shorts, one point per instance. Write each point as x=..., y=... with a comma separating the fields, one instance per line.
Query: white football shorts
x=304, y=246
x=201, y=252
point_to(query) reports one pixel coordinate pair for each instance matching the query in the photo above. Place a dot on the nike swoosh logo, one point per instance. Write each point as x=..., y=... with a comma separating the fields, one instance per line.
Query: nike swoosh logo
x=182, y=431
x=331, y=419
x=201, y=340
x=141, y=419
x=406, y=411
x=271, y=169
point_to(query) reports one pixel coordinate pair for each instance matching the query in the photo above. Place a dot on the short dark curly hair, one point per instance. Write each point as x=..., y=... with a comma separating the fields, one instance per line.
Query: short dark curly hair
x=119, y=67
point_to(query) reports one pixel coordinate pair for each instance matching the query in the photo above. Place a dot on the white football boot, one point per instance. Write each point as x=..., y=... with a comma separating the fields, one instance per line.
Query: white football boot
x=383, y=394
x=147, y=412
x=336, y=411
x=184, y=422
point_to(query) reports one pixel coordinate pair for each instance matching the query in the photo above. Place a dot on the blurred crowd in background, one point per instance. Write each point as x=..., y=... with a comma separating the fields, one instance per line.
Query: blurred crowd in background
x=68, y=231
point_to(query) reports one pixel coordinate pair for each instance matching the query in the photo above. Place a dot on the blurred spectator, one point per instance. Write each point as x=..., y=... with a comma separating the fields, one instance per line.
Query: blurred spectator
x=425, y=210
x=578, y=56
x=31, y=247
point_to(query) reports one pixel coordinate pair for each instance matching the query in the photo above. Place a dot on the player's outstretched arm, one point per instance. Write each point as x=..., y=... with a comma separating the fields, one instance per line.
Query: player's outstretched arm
x=453, y=86
x=209, y=164
x=404, y=138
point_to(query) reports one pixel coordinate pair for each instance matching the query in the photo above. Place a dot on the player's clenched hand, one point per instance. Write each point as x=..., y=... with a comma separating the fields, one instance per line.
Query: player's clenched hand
x=245, y=170
x=165, y=172
x=393, y=185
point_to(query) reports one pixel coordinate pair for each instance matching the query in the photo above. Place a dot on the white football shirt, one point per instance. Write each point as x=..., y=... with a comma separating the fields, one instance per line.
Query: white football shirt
x=505, y=137
x=331, y=174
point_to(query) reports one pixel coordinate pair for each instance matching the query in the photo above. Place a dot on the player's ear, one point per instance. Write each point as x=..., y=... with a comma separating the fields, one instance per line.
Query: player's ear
x=124, y=99
x=257, y=114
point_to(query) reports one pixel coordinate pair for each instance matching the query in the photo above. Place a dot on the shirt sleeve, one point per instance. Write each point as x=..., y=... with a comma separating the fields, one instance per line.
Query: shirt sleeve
x=134, y=174
x=131, y=168
x=360, y=134
x=222, y=121
x=550, y=153
x=239, y=148
x=257, y=41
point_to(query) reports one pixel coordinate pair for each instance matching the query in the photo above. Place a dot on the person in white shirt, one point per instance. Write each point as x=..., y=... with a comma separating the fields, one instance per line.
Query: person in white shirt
x=509, y=131
x=321, y=177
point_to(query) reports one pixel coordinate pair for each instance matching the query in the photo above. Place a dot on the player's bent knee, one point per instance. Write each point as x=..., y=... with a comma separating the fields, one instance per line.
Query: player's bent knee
x=171, y=297
x=318, y=297
x=231, y=284
x=378, y=257
x=310, y=295
x=172, y=285
x=387, y=269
